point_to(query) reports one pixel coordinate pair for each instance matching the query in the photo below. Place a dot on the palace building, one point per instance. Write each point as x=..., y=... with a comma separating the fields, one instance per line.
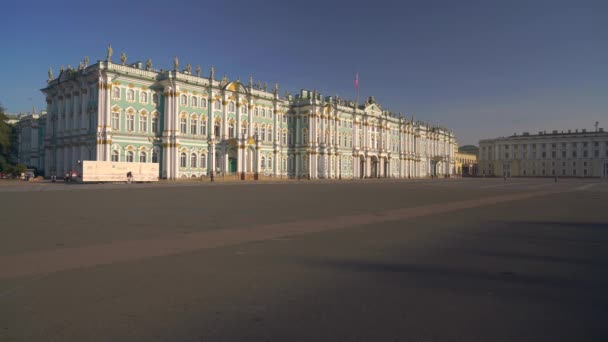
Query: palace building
x=193, y=125
x=575, y=153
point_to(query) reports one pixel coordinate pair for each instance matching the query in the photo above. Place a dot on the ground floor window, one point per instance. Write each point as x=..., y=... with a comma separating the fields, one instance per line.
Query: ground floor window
x=129, y=156
x=114, y=156
x=182, y=160
x=142, y=157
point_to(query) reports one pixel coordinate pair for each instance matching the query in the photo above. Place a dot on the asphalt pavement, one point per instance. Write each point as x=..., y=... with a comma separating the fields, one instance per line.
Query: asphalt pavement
x=378, y=260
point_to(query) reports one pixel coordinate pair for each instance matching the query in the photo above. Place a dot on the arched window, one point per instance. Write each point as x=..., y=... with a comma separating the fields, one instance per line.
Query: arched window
x=304, y=136
x=217, y=104
x=143, y=157
x=130, y=122
x=217, y=129
x=183, y=161
x=116, y=93
x=129, y=156
x=193, y=124
x=154, y=123
x=244, y=129
x=203, y=126
x=143, y=97
x=284, y=138
x=155, y=156
x=231, y=129
x=270, y=113
x=255, y=131
x=143, y=123
x=231, y=107
x=263, y=133
x=184, y=100
x=183, y=125
x=130, y=95
x=115, y=121
x=193, y=161
x=204, y=103
x=263, y=162
x=115, y=155
x=244, y=109
x=270, y=138
x=203, y=161
x=270, y=163
x=263, y=112
x=155, y=98
x=256, y=112
x=194, y=101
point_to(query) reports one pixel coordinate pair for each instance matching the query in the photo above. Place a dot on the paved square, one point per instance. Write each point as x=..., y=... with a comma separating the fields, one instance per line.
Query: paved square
x=421, y=260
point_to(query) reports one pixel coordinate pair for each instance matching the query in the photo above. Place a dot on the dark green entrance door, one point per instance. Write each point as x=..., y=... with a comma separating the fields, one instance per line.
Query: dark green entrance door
x=232, y=165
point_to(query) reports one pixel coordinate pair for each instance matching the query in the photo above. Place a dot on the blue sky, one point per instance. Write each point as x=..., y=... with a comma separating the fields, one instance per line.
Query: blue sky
x=482, y=68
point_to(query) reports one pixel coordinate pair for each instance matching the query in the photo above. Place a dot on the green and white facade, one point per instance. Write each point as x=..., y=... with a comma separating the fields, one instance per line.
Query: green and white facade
x=193, y=125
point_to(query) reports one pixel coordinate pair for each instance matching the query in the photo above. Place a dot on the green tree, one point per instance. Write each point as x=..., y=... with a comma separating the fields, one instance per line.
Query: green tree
x=6, y=137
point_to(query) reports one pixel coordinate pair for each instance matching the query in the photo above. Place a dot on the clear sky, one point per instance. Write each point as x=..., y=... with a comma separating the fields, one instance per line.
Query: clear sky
x=483, y=68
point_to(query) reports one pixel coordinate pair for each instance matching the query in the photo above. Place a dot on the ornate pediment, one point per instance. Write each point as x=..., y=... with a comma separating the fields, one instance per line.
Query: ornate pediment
x=236, y=87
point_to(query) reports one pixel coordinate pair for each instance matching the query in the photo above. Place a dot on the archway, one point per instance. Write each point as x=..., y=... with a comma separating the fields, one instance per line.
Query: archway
x=375, y=163
x=362, y=167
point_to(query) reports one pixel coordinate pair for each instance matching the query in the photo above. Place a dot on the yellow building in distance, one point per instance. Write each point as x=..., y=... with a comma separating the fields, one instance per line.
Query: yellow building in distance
x=465, y=163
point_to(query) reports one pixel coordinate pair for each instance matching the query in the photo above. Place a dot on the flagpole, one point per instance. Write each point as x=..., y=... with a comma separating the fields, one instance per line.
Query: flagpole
x=357, y=90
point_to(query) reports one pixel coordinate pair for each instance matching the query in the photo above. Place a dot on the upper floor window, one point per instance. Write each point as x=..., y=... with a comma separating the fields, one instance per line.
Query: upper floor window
x=143, y=123
x=270, y=138
x=193, y=124
x=203, y=130
x=115, y=121
x=244, y=109
x=256, y=112
x=194, y=101
x=155, y=156
x=231, y=107
x=184, y=100
x=183, y=125
x=217, y=105
x=204, y=103
x=231, y=129
x=155, y=98
x=155, y=123
x=130, y=122
x=143, y=97
x=116, y=93
x=130, y=95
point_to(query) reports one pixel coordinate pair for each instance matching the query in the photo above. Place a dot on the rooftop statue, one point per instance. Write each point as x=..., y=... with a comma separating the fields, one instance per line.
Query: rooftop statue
x=110, y=53
x=265, y=86
x=175, y=63
x=198, y=70
x=123, y=58
x=250, y=81
x=212, y=73
x=86, y=61
x=149, y=64
x=188, y=68
x=50, y=74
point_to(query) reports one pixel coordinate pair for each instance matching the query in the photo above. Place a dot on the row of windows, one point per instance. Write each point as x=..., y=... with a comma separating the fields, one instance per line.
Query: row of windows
x=564, y=173
x=130, y=156
x=130, y=95
x=194, y=161
x=563, y=145
x=130, y=122
x=573, y=154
